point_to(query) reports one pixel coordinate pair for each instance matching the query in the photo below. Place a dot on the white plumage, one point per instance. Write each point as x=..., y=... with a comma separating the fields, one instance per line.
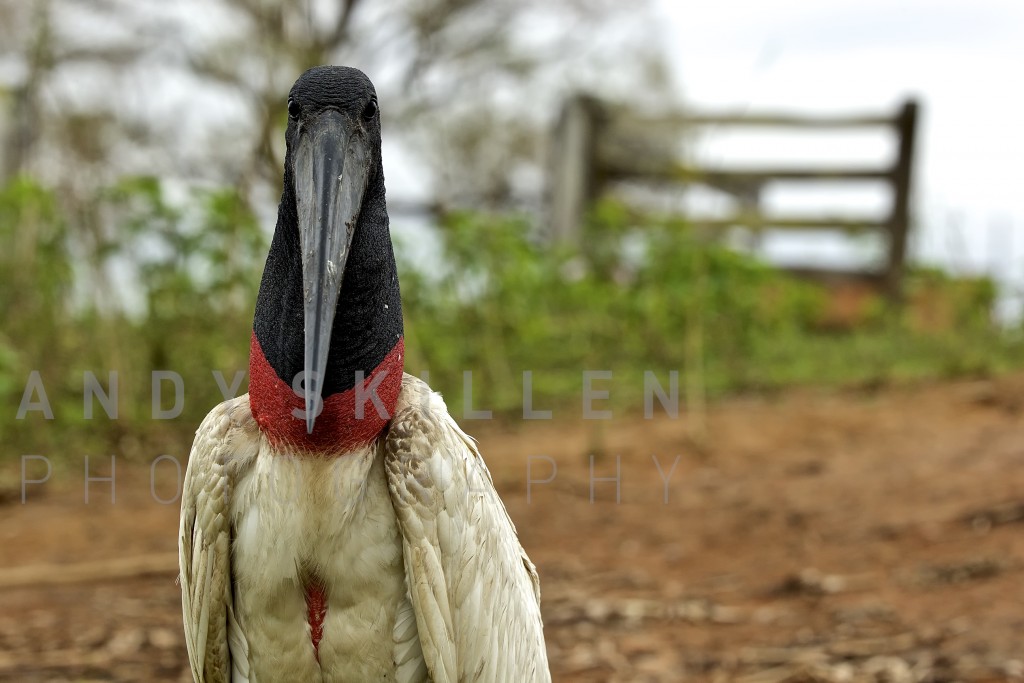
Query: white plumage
x=423, y=573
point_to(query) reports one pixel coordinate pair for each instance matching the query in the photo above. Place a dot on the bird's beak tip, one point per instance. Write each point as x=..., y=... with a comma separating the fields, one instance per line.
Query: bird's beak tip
x=310, y=414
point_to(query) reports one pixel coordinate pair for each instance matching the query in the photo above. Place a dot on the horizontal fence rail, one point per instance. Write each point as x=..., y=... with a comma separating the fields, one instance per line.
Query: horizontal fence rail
x=595, y=145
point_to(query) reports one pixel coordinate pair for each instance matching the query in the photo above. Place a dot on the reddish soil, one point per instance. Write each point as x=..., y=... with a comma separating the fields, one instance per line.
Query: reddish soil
x=810, y=536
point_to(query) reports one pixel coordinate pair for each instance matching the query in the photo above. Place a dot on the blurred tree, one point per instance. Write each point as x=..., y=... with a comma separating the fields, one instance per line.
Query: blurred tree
x=196, y=88
x=38, y=51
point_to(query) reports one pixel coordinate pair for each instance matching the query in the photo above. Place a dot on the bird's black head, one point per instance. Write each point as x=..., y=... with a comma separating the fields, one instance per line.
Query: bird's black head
x=329, y=306
x=340, y=87
x=334, y=91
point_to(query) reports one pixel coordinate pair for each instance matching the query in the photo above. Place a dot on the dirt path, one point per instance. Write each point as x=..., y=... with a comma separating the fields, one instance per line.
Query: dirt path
x=816, y=537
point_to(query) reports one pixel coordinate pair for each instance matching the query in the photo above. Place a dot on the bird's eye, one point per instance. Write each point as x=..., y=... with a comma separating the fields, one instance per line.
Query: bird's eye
x=370, y=110
x=294, y=110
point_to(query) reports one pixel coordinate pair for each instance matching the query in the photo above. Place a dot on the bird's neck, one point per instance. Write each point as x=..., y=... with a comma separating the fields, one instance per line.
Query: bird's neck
x=365, y=362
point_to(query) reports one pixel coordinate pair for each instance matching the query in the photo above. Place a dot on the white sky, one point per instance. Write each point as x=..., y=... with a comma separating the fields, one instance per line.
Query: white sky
x=962, y=60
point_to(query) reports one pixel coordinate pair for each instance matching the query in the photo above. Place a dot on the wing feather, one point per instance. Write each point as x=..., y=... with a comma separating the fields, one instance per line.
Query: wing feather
x=204, y=543
x=474, y=591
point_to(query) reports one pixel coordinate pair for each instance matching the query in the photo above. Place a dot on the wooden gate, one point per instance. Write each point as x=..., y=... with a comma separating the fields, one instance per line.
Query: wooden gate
x=595, y=144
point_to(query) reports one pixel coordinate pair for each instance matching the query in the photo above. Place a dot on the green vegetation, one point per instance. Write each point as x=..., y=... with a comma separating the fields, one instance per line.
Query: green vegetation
x=649, y=295
x=66, y=311
x=646, y=294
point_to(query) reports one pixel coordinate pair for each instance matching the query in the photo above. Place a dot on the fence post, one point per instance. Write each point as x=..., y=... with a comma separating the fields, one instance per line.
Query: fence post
x=899, y=219
x=574, y=184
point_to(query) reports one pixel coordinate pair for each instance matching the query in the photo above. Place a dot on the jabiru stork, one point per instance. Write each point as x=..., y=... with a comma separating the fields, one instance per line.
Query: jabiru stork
x=336, y=523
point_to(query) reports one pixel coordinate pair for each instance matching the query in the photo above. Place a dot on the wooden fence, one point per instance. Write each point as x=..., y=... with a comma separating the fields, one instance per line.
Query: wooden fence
x=595, y=145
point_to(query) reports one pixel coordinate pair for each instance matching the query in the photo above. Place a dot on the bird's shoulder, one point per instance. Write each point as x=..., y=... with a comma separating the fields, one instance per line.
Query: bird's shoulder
x=227, y=439
x=229, y=419
x=421, y=413
x=426, y=449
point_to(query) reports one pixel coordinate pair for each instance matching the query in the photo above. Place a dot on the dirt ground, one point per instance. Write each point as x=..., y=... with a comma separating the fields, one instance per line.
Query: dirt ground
x=875, y=535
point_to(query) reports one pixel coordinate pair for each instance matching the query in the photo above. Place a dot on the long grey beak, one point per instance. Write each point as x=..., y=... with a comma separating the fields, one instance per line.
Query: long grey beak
x=331, y=167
